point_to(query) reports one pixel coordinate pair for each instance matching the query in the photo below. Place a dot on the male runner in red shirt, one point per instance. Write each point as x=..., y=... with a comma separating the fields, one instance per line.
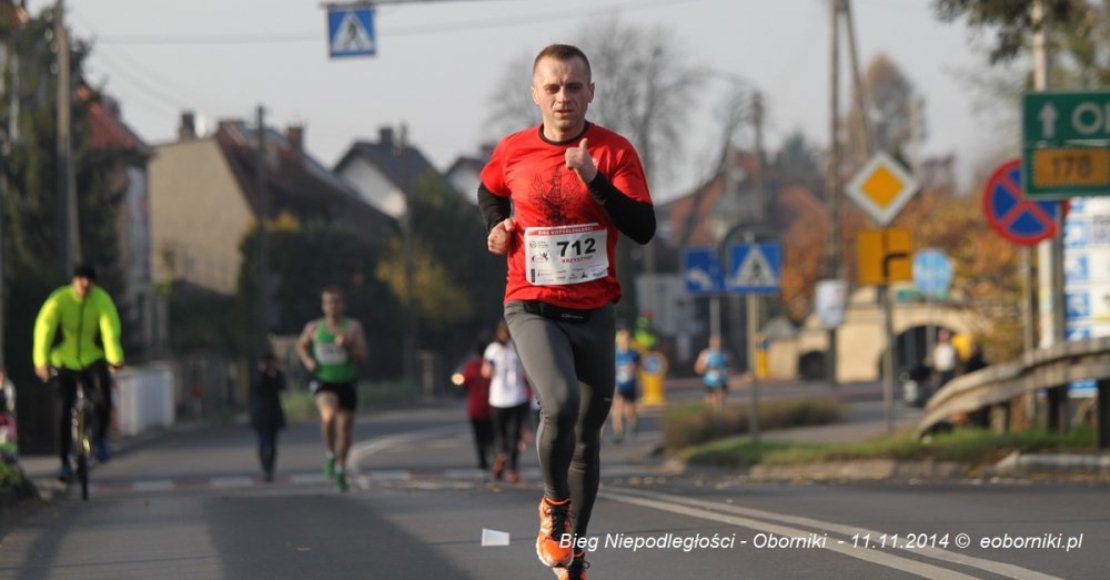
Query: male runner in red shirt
x=554, y=197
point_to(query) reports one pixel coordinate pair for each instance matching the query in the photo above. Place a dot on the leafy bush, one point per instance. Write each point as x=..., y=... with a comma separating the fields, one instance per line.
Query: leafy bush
x=11, y=477
x=967, y=446
x=694, y=424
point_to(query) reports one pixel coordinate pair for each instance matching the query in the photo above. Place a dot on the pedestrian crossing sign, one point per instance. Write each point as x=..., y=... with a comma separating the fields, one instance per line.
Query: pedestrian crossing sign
x=754, y=268
x=351, y=32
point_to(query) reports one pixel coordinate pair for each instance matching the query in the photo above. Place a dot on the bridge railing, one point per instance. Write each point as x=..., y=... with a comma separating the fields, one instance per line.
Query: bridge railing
x=1055, y=366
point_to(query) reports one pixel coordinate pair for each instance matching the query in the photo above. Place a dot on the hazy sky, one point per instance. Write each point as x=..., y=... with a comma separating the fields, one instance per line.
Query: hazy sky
x=438, y=63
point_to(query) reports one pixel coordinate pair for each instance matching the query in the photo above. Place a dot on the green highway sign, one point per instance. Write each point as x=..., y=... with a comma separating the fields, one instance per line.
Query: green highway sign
x=1066, y=144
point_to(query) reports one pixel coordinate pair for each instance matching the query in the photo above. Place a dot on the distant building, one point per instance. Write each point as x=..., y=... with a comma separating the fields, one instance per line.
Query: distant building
x=204, y=199
x=383, y=172
x=465, y=174
x=140, y=307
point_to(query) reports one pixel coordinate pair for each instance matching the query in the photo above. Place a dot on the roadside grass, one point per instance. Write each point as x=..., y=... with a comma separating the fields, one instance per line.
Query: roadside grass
x=694, y=424
x=966, y=446
x=300, y=406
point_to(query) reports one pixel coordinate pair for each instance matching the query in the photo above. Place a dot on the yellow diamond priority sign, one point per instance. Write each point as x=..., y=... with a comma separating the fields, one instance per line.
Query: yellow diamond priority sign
x=882, y=188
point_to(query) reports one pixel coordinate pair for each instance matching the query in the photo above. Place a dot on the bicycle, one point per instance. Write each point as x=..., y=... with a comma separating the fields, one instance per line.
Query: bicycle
x=82, y=420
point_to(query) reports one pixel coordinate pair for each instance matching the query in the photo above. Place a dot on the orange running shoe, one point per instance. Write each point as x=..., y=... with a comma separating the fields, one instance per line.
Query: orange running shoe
x=554, y=526
x=512, y=477
x=576, y=570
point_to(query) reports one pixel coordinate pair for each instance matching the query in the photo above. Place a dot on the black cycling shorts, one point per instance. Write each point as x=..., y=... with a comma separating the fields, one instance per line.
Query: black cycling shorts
x=348, y=395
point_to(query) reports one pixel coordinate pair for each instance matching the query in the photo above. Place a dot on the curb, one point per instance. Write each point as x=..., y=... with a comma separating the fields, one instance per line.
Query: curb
x=1061, y=464
x=862, y=470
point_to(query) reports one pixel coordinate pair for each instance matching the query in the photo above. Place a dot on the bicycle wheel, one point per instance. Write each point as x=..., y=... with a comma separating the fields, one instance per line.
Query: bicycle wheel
x=83, y=475
x=82, y=444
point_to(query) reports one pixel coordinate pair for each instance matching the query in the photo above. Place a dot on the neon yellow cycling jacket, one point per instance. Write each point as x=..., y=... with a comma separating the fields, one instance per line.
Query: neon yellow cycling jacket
x=80, y=321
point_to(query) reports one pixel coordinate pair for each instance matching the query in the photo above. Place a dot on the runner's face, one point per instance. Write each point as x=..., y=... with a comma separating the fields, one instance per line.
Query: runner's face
x=332, y=305
x=563, y=91
x=81, y=285
x=622, y=340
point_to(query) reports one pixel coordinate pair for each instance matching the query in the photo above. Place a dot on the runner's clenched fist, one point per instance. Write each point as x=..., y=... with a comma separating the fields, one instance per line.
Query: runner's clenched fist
x=578, y=159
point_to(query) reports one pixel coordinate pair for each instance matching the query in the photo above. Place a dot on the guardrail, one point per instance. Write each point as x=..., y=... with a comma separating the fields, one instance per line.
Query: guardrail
x=1055, y=366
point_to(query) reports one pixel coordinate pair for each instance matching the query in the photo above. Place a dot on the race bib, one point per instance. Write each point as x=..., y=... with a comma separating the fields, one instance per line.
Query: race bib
x=626, y=373
x=330, y=354
x=566, y=255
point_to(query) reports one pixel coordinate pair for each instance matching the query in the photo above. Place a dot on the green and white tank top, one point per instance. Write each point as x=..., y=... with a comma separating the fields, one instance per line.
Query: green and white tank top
x=334, y=364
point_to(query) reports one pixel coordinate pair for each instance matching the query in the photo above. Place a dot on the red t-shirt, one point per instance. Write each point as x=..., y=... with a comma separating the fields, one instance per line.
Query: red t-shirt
x=532, y=172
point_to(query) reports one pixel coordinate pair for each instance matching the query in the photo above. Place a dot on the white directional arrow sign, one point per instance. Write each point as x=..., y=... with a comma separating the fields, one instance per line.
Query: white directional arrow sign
x=1048, y=116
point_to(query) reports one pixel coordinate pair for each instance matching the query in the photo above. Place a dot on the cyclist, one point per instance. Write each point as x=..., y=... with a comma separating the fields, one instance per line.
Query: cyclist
x=90, y=344
x=337, y=345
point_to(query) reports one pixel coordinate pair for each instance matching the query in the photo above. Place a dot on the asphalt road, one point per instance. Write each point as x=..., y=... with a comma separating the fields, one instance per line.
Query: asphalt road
x=189, y=505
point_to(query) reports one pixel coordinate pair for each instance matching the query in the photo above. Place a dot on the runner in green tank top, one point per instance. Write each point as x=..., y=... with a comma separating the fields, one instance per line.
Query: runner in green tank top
x=331, y=349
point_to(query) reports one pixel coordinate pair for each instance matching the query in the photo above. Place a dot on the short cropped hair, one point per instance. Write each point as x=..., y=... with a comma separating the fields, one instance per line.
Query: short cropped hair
x=334, y=290
x=562, y=53
x=85, y=271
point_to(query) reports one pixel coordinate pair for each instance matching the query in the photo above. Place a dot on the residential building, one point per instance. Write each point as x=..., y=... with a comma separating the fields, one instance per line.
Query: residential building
x=384, y=172
x=465, y=174
x=204, y=199
x=140, y=307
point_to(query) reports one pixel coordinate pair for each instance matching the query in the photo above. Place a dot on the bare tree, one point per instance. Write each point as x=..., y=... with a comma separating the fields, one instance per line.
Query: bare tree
x=511, y=106
x=889, y=96
x=645, y=91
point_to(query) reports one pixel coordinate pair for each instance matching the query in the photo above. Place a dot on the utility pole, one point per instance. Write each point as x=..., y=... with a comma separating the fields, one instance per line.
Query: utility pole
x=832, y=265
x=11, y=71
x=67, y=188
x=1050, y=254
x=263, y=273
x=861, y=98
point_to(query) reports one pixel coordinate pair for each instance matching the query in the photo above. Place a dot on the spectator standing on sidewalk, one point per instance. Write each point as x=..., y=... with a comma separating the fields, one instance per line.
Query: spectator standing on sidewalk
x=945, y=358
x=267, y=417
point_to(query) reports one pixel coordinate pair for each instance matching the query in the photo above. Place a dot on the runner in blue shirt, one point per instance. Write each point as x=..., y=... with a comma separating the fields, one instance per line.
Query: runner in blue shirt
x=712, y=365
x=624, y=404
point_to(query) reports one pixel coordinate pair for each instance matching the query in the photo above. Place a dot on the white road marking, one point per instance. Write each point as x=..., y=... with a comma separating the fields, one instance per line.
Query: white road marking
x=655, y=499
x=154, y=485
x=231, y=482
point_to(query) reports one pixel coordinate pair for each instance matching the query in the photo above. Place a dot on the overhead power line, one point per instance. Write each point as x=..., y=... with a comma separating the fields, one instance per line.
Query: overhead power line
x=241, y=38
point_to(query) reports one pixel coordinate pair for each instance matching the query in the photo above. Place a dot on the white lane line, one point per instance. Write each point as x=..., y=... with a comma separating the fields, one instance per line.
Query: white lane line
x=359, y=451
x=231, y=482
x=154, y=485
x=466, y=473
x=875, y=557
x=387, y=474
x=1000, y=568
x=308, y=478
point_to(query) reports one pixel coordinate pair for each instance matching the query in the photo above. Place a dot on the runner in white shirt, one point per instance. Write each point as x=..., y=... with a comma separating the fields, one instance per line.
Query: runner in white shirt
x=509, y=398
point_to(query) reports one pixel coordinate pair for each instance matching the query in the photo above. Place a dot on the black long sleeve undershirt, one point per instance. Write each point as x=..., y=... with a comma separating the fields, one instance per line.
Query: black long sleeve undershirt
x=634, y=219
x=495, y=209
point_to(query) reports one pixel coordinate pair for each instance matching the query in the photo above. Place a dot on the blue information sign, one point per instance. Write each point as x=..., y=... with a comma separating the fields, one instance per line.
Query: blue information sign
x=701, y=272
x=932, y=272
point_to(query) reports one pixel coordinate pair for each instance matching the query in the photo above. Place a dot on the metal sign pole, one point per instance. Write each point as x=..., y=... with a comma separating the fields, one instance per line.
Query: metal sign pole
x=888, y=376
